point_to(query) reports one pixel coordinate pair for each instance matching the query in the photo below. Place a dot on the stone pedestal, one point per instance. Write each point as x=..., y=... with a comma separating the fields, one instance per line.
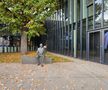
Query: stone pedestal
x=33, y=60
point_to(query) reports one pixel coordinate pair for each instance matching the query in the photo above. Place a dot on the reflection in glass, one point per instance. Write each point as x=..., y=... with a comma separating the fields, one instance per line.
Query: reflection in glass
x=98, y=19
x=106, y=18
x=64, y=40
x=78, y=10
x=90, y=17
x=78, y=40
x=90, y=2
x=98, y=6
x=106, y=40
x=105, y=5
x=95, y=46
x=98, y=13
x=106, y=46
x=84, y=39
x=70, y=41
x=66, y=9
x=84, y=9
x=105, y=12
x=90, y=11
x=90, y=22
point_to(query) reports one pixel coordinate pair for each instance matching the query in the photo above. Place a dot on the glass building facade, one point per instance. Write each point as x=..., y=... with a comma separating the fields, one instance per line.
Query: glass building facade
x=79, y=28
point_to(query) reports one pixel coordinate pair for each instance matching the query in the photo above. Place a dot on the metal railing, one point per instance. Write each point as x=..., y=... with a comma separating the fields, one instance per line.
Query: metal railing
x=12, y=49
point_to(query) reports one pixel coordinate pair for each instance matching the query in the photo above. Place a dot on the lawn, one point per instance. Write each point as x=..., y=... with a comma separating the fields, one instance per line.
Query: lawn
x=10, y=57
x=57, y=58
x=16, y=57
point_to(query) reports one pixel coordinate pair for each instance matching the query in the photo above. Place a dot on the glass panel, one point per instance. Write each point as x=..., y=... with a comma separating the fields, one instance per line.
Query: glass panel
x=106, y=46
x=78, y=10
x=67, y=41
x=64, y=40
x=98, y=20
x=105, y=5
x=90, y=11
x=84, y=9
x=78, y=40
x=106, y=18
x=66, y=9
x=90, y=2
x=70, y=41
x=98, y=13
x=98, y=6
x=95, y=46
x=84, y=39
x=90, y=22
x=105, y=12
x=75, y=10
x=91, y=47
x=90, y=17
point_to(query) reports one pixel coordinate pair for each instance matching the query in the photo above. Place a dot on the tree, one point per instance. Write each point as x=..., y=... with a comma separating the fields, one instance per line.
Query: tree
x=25, y=17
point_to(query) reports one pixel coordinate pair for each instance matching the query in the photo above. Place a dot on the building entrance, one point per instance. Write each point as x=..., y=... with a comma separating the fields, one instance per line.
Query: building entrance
x=94, y=46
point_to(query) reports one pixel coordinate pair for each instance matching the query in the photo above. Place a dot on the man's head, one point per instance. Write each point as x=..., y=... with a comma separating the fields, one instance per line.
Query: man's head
x=41, y=45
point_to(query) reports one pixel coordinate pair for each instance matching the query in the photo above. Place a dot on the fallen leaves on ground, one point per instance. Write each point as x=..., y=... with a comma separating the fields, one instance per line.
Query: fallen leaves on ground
x=10, y=57
x=16, y=57
x=57, y=58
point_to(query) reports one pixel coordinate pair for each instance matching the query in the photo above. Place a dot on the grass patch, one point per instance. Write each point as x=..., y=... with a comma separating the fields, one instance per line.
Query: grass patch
x=10, y=57
x=57, y=58
x=16, y=57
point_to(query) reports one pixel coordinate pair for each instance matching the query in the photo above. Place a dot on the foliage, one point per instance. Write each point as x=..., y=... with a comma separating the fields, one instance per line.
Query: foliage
x=26, y=15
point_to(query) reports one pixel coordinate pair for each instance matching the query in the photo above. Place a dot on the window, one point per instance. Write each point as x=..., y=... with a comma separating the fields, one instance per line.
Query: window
x=94, y=46
x=66, y=10
x=98, y=13
x=78, y=10
x=105, y=12
x=105, y=5
x=90, y=2
x=84, y=38
x=90, y=16
x=98, y=6
x=90, y=10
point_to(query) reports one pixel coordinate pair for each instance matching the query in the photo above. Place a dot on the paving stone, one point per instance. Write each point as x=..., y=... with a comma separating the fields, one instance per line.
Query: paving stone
x=76, y=75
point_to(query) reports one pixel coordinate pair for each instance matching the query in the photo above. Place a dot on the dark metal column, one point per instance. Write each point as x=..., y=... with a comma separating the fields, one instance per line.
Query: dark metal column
x=81, y=16
x=72, y=20
x=102, y=47
x=102, y=57
x=87, y=36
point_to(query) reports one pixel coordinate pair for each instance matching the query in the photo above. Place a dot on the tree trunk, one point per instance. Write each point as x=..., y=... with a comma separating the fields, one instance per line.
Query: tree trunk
x=23, y=43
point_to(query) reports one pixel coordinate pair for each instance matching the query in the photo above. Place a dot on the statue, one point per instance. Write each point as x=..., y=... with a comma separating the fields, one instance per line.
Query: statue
x=40, y=55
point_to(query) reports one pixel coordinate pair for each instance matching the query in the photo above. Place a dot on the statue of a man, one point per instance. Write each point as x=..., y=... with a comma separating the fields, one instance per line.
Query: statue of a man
x=40, y=55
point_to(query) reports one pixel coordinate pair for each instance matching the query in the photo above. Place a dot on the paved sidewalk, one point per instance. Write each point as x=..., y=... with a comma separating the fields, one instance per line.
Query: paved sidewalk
x=76, y=75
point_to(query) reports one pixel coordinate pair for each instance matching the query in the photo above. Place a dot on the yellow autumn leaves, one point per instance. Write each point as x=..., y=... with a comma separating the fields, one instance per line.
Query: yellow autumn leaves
x=16, y=57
